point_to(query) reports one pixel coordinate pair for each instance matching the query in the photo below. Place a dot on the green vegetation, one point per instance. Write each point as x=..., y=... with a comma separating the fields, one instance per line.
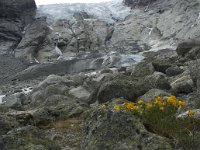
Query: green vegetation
x=159, y=117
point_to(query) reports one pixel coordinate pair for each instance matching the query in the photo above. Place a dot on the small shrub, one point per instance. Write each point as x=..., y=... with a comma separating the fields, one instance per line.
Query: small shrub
x=159, y=117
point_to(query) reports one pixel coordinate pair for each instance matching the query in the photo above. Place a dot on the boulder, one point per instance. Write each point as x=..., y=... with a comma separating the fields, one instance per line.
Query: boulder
x=161, y=65
x=152, y=94
x=157, y=80
x=194, y=53
x=13, y=101
x=116, y=89
x=54, y=79
x=130, y=88
x=80, y=93
x=194, y=68
x=183, y=84
x=173, y=71
x=184, y=47
x=143, y=69
x=105, y=128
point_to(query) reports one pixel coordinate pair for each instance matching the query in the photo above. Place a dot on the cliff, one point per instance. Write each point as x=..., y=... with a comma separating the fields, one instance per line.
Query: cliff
x=14, y=16
x=15, y=9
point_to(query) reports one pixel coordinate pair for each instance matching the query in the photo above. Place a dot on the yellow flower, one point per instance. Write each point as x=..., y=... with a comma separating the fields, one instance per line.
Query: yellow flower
x=116, y=107
x=140, y=102
x=161, y=108
x=130, y=105
x=164, y=104
x=172, y=100
x=149, y=105
x=191, y=113
x=181, y=103
x=136, y=108
x=159, y=98
x=157, y=102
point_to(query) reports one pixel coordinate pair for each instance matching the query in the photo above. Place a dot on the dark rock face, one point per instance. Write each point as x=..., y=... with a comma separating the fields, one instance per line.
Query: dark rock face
x=15, y=9
x=133, y=3
x=34, y=40
x=14, y=15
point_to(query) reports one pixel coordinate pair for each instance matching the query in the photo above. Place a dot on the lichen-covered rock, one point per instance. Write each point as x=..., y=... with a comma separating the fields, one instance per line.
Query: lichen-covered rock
x=106, y=128
x=157, y=80
x=173, y=71
x=153, y=93
x=143, y=69
x=161, y=65
x=130, y=87
x=183, y=84
x=28, y=137
x=125, y=87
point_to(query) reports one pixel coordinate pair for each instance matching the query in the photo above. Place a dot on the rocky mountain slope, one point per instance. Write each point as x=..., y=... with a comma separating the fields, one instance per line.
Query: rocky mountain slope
x=67, y=69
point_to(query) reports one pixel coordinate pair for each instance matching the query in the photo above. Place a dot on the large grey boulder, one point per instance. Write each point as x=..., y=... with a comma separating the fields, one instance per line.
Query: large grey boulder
x=184, y=84
x=184, y=47
x=105, y=128
x=161, y=65
x=174, y=70
x=119, y=88
x=14, y=101
x=152, y=94
x=130, y=88
x=157, y=80
x=143, y=69
x=194, y=53
x=194, y=68
x=80, y=93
